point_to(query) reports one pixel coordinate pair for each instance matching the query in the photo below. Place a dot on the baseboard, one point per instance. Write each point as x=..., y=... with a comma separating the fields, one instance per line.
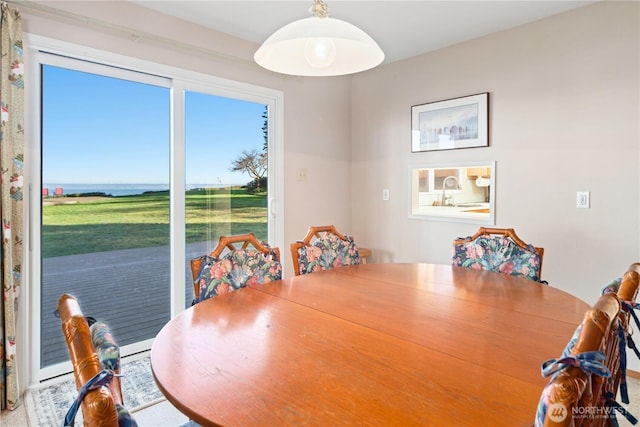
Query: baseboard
x=633, y=374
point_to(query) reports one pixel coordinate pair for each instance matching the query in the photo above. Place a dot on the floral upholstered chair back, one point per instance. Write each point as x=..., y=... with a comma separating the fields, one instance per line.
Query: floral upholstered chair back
x=239, y=267
x=323, y=248
x=499, y=250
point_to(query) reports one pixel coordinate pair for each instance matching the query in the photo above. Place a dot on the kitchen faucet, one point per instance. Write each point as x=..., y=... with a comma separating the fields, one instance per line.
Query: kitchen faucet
x=444, y=187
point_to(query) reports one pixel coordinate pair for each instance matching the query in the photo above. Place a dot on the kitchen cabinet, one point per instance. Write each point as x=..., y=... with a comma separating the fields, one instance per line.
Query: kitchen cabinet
x=477, y=172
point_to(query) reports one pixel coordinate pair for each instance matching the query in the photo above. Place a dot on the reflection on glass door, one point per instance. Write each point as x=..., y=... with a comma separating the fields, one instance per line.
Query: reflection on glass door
x=226, y=144
x=105, y=203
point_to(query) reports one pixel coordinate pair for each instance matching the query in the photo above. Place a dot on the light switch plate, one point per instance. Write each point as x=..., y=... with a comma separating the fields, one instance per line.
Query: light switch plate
x=582, y=199
x=302, y=174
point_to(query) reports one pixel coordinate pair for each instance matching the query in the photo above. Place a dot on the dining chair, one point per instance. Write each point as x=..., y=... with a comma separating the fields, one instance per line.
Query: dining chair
x=501, y=250
x=323, y=248
x=591, y=371
x=626, y=288
x=575, y=392
x=237, y=261
x=95, y=357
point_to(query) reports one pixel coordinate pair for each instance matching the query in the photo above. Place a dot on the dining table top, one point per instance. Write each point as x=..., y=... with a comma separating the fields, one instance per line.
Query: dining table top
x=371, y=344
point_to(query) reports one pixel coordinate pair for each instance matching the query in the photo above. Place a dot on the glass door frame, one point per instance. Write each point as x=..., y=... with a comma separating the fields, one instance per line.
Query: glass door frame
x=181, y=81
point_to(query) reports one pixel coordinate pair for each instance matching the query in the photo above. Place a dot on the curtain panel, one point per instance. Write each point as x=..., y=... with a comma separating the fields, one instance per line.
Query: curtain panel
x=11, y=199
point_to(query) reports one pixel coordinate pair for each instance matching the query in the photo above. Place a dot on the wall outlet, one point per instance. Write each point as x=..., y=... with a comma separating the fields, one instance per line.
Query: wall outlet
x=582, y=200
x=302, y=174
x=385, y=194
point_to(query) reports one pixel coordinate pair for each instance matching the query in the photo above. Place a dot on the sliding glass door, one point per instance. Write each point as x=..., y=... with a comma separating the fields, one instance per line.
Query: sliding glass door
x=135, y=174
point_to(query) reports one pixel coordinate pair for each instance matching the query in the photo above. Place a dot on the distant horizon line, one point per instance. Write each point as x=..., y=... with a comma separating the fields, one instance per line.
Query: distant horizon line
x=135, y=184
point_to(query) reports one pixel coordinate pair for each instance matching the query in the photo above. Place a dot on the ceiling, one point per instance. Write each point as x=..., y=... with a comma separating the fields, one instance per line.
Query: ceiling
x=402, y=28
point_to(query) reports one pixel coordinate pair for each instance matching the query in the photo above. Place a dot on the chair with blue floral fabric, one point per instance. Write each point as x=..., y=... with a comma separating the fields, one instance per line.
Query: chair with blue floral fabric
x=626, y=288
x=95, y=358
x=323, y=248
x=500, y=250
x=575, y=394
x=246, y=262
x=591, y=371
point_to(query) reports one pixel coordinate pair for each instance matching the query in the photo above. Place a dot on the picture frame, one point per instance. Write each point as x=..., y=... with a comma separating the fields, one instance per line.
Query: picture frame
x=451, y=124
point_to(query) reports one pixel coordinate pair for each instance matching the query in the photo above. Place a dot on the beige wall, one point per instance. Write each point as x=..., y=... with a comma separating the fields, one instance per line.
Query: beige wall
x=564, y=117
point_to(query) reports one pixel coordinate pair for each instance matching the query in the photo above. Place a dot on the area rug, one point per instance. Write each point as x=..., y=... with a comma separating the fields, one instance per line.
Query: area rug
x=47, y=406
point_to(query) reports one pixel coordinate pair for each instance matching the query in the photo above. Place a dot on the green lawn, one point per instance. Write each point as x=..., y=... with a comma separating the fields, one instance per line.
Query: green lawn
x=143, y=220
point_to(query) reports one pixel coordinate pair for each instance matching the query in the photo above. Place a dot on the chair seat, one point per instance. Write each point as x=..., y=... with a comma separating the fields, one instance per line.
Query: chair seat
x=365, y=253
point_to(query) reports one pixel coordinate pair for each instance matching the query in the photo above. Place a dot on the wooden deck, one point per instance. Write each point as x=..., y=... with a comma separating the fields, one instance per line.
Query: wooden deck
x=129, y=289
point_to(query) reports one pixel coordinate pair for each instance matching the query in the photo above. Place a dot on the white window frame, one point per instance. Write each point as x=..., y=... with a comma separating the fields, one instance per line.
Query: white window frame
x=180, y=80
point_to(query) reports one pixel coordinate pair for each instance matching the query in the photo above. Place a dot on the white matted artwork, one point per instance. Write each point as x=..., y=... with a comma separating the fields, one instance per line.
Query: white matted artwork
x=451, y=124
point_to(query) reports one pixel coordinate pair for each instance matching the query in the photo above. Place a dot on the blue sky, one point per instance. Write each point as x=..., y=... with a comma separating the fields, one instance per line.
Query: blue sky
x=99, y=129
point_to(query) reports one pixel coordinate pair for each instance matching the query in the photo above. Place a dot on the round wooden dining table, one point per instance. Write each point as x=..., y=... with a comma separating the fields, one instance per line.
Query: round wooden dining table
x=372, y=345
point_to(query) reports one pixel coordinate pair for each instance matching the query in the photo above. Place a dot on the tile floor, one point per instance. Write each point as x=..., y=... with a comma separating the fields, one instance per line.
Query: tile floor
x=163, y=414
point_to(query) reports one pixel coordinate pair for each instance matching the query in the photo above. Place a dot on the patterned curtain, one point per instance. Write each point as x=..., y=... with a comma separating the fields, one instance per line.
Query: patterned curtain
x=11, y=159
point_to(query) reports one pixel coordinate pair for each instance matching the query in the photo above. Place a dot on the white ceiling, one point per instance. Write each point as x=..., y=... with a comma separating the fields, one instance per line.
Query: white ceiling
x=402, y=28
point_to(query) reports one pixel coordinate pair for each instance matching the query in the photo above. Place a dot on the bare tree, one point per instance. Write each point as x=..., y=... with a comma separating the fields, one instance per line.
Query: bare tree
x=253, y=162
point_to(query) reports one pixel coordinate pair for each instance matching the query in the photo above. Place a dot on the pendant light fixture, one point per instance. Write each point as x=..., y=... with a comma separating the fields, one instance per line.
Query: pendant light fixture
x=319, y=46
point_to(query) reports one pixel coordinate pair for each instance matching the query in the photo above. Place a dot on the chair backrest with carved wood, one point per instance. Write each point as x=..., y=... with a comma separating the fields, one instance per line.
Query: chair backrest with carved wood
x=627, y=292
x=582, y=391
x=501, y=250
x=577, y=377
x=103, y=406
x=213, y=274
x=322, y=248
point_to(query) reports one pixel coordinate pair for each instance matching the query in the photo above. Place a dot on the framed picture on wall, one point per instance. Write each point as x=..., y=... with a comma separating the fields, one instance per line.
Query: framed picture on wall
x=451, y=124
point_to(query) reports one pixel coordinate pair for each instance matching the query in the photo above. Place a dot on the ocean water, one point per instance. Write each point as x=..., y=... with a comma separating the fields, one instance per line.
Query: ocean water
x=119, y=189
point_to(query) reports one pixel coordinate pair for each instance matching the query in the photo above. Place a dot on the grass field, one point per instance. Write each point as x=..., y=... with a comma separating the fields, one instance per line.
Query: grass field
x=81, y=225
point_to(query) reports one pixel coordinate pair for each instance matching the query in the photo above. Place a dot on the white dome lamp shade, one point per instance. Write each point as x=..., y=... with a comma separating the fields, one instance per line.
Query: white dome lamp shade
x=319, y=46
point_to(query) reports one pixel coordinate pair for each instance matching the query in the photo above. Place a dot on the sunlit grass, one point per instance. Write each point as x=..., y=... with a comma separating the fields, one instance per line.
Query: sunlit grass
x=143, y=220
